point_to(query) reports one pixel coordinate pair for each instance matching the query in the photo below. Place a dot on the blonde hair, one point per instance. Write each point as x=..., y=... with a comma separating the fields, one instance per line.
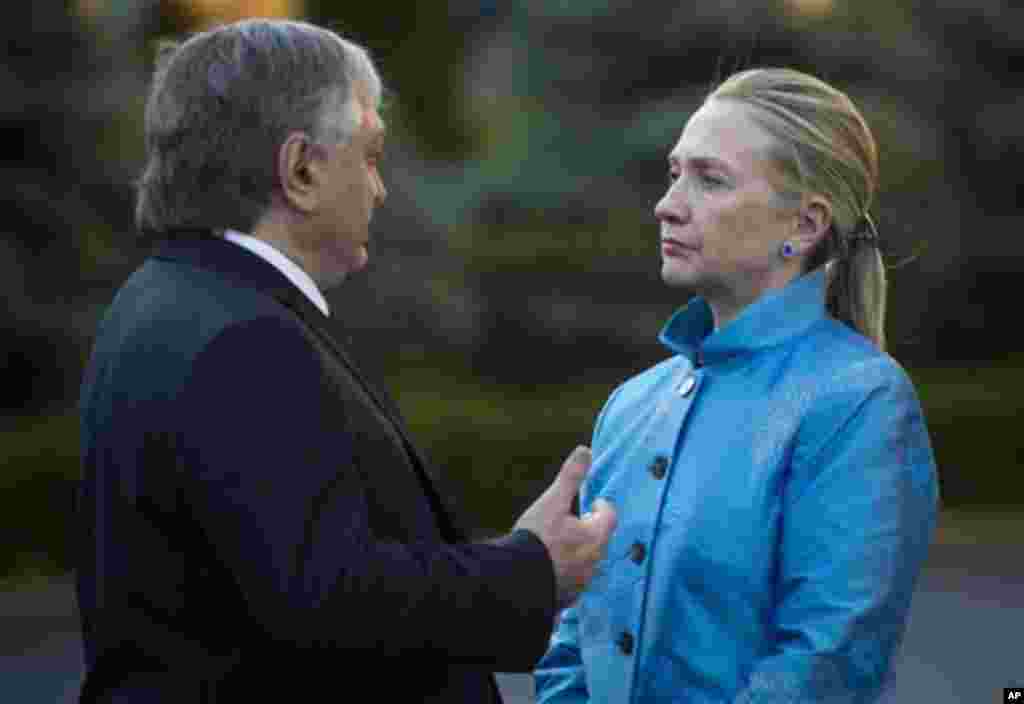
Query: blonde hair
x=825, y=147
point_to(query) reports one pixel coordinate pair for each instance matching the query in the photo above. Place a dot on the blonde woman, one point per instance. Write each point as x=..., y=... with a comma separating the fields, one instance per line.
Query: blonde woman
x=774, y=481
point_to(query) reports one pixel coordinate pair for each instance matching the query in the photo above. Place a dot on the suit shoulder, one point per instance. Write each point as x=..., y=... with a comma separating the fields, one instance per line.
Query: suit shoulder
x=186, y=305
x=165, y=315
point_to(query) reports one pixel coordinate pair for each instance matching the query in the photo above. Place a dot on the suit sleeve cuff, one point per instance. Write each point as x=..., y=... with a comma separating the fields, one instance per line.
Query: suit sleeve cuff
x=538, y=587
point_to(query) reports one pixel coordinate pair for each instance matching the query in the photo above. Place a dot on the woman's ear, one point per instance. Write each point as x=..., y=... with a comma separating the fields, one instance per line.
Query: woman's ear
x=813, y=221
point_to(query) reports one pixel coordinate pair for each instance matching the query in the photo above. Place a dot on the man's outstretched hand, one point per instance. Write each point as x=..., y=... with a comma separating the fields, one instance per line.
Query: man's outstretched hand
x=575, y=545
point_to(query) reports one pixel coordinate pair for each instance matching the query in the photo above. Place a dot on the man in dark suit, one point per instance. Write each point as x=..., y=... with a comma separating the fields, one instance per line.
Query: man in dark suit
x=256, y=522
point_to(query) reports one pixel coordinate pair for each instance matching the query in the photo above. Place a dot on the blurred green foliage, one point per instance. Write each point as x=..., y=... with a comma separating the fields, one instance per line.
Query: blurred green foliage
x=535, y=248
x=973, y=414
x=418, y=47
x=40, y=461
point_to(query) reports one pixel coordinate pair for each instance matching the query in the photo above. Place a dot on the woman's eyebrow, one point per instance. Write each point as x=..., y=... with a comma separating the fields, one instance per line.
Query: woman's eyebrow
x=708, y=162
x=699, y=162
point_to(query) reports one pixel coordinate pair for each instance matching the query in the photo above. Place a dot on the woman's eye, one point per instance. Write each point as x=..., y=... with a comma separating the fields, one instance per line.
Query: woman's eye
x=705, y=180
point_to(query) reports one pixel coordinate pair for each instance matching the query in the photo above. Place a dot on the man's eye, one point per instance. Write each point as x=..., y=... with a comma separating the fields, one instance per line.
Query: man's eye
x=672, y=176
x=712, y=181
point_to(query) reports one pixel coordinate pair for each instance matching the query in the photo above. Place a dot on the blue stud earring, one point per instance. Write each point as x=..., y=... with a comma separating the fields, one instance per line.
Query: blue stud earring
x=787, y=250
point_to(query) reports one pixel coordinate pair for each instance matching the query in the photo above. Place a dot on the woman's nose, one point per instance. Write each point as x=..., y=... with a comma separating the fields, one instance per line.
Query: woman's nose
x=671, y=206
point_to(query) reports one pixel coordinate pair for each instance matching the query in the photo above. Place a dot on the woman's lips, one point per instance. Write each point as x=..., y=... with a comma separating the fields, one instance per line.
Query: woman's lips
x=671, y=248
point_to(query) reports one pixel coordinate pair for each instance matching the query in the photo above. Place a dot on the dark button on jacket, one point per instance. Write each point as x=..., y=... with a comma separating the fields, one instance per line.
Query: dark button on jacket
x=659, y=467
x=638, y=552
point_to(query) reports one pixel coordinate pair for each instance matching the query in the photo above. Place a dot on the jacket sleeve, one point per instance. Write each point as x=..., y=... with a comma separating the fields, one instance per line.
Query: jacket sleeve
x=270, y=475
x=859, y=512
x=559, y=677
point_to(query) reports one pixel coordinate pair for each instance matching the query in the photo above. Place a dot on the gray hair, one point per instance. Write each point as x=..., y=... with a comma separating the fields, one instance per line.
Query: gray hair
x=220, y=107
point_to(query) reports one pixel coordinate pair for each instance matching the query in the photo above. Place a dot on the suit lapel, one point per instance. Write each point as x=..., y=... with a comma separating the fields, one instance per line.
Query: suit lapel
x=333, y=335
x=200, y=247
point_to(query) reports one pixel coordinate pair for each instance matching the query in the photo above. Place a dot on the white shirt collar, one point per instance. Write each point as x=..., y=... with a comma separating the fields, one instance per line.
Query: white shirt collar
x=286, y=266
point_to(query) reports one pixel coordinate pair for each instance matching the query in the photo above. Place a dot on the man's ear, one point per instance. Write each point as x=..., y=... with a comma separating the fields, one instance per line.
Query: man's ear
x=814, y=220
x=299, y=172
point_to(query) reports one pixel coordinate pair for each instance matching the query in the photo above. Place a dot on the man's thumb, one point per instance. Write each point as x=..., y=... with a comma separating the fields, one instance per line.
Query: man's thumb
x=603, y=516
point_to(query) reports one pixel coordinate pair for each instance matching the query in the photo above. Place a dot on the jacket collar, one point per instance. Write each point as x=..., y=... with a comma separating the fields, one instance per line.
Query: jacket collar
x=202, y=249
x=777, y=316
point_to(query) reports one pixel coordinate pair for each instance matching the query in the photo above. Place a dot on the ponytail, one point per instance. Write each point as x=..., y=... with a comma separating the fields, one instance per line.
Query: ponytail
x=856, y=289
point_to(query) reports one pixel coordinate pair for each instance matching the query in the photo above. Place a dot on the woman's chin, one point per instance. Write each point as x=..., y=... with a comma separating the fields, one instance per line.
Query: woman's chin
x=673, y=274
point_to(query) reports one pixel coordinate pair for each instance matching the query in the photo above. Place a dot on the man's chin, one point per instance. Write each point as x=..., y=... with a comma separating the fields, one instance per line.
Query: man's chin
x=352, y=262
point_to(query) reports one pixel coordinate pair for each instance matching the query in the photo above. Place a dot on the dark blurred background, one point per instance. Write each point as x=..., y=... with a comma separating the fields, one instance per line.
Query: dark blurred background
x=514, y=276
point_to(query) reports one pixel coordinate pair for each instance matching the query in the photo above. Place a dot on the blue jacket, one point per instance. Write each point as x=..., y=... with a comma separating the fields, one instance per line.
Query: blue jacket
x=776, y=493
